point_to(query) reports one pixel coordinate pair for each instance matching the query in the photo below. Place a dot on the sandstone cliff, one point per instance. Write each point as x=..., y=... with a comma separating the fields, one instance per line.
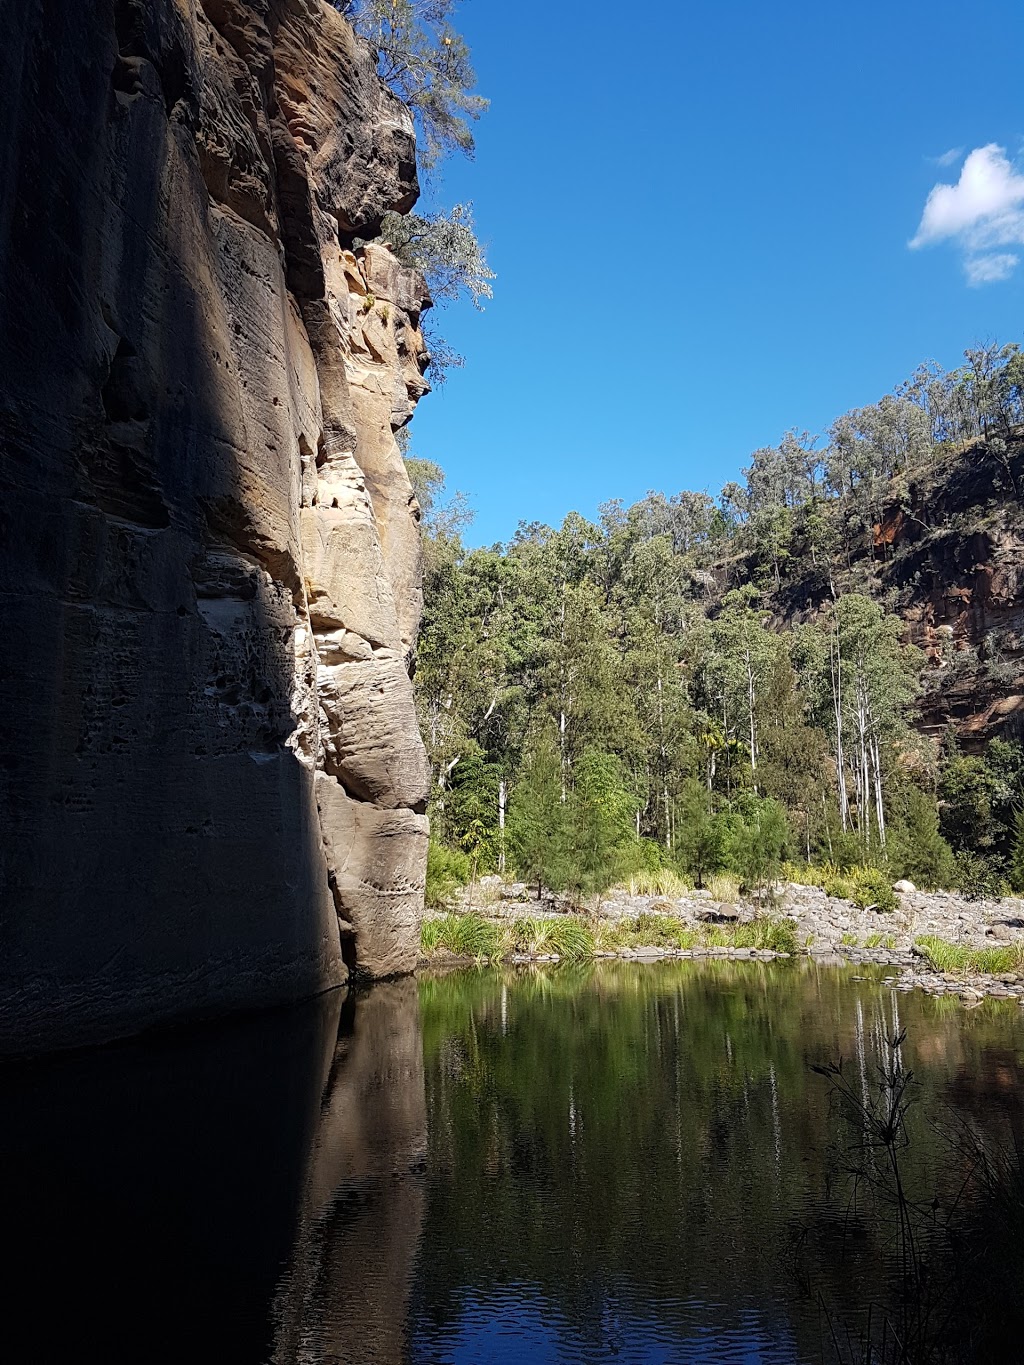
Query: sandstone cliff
x=946, y=554
x=212, y=787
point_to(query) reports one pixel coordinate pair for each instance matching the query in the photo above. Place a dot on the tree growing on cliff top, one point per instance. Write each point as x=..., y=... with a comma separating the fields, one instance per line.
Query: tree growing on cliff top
x=427, y=63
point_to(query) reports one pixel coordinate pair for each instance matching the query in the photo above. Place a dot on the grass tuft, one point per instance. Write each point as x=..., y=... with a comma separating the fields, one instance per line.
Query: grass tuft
x=462, y=935
x=961, y=960
x=575, y=940
x=664, y=881
x=723, y=888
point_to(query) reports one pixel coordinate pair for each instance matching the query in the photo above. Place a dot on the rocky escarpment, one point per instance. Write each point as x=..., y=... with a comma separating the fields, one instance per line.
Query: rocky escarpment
x=947, y=554
x=211, y=781
x=951, y=555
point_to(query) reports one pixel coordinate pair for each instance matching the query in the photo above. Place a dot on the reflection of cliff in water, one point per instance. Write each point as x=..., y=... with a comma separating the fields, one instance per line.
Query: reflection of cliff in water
x=345, y=1295
x=149, y=1190
x=214, y=1195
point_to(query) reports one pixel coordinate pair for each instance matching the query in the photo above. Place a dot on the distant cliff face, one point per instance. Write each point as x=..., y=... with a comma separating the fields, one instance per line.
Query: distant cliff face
x=211, y=781
x=951, y=555
x=948, y=556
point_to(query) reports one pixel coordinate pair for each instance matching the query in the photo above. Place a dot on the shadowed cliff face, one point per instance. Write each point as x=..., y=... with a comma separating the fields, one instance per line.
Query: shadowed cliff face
x=211, y=781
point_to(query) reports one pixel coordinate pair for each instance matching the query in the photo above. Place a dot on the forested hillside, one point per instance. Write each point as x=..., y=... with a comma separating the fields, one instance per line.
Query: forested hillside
x=822, y=664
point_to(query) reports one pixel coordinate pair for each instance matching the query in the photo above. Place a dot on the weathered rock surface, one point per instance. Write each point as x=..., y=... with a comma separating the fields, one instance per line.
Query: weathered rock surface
x=948, y=556
x=211, y=780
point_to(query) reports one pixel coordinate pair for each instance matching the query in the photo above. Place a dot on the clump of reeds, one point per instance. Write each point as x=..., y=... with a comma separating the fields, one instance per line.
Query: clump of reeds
x=958, y=958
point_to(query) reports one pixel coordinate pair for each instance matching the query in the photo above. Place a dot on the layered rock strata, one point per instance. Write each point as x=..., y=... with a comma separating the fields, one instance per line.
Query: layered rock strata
x=211, y=780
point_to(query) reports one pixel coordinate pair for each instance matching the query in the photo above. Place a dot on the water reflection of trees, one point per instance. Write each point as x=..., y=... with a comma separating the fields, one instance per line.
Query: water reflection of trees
x=656, y=1135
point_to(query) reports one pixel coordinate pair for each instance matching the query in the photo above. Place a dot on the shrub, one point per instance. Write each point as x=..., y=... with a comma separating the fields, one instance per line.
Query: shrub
x=803, y=874
x=839, y=885
x=977, y=879
x=872, y=888
x=447, y=870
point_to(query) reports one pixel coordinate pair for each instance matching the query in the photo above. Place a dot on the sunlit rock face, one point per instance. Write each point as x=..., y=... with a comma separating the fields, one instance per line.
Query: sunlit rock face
x=211, y=781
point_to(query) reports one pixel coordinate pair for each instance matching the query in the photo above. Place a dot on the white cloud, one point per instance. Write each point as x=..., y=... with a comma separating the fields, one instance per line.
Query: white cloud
x=984, y=210
x=989, y=269
x=947, y=158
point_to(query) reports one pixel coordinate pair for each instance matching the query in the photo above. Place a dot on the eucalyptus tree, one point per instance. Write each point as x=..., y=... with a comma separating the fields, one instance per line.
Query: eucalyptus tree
x=862, y=681
x=653, y=608
x=445, y=247
x=739, y=655
x=426, y=61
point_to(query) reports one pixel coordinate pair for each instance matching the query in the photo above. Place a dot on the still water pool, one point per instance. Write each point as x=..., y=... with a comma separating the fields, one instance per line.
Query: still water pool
x=628, y=1163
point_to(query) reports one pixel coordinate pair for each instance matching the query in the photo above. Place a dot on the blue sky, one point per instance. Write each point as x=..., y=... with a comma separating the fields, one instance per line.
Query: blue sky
x=700, y=219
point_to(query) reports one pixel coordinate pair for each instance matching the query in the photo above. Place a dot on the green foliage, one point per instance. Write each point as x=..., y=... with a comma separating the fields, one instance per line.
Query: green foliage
x=918, y=850
x=956, y=957
x=568, y=936
x=445, y=247
x=976, y=878
x=1015, y=874
x=701, y=835
x=447, y=870
x=469, y=818
x=573, y=939
x=840, y=885
x=873, y=888
x=443, y=518
x=427, y=63
x=538, y=825
x=600, y=823
x=766, y=933
x=461, y=935
x=637, y=710
x=757, y=841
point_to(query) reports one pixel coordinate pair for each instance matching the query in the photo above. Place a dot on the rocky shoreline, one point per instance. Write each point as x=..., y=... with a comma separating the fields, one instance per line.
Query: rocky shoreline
x=827, y=929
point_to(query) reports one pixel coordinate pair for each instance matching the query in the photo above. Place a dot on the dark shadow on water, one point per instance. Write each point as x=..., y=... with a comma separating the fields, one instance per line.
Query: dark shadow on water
x=151, y=1190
